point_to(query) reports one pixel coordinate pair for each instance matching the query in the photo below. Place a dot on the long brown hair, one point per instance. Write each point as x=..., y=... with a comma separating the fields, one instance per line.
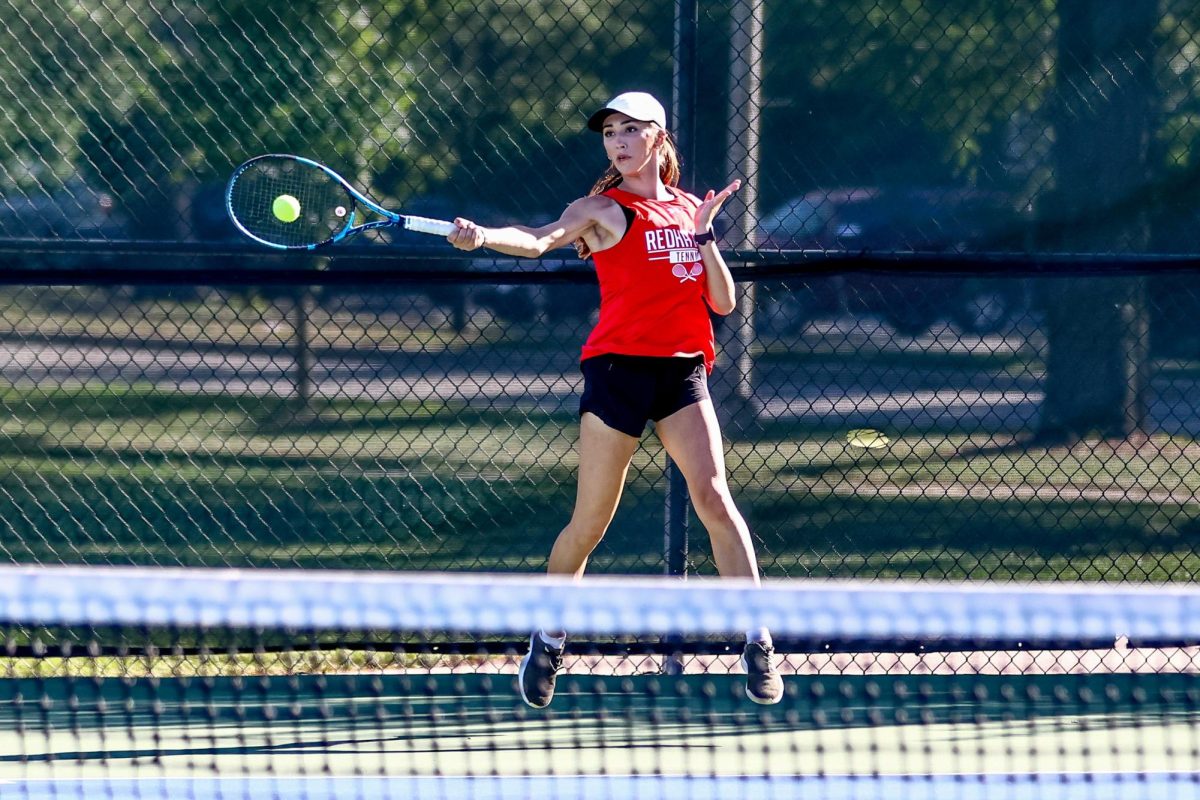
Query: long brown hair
x=668, y=171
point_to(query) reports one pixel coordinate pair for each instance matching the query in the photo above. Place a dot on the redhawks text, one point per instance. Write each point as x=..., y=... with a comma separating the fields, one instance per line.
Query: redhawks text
x=668, y=239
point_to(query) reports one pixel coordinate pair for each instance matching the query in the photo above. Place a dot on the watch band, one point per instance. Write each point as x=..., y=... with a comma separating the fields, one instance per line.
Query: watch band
x=706, y=237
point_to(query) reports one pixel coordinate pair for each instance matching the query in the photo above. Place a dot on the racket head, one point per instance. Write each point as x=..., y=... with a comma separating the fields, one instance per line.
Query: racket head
x=327, y=206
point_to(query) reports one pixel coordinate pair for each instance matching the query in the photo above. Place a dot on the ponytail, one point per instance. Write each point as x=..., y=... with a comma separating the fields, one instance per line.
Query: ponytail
x=668, y=171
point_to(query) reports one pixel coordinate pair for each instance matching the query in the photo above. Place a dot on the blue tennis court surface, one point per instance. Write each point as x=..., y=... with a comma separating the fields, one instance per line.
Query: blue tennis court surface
x=1061, y=786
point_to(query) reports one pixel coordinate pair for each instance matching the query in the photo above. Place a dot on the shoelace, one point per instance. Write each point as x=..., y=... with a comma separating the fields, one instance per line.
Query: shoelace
x=759, y=656
x=554, y=658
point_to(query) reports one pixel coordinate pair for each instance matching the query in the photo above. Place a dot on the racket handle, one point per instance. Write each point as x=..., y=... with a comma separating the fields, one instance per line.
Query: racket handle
x=437, y=227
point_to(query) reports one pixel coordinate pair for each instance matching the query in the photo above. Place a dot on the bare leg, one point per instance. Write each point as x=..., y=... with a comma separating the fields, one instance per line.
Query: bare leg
x=692, y=437
x=604, y=456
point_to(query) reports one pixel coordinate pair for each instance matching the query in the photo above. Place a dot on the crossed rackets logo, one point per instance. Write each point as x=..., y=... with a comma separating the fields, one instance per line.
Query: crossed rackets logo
x=681, y=272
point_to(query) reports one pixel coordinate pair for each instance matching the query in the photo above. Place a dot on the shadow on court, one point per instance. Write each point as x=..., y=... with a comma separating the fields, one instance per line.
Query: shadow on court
x=394, y=724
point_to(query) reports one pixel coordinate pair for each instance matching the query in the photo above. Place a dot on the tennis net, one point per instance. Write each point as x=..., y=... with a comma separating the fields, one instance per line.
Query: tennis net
x=125, y=682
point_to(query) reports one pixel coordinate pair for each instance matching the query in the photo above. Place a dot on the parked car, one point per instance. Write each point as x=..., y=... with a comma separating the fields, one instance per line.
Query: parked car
x=521, y=303
x=1173, y=295
x=207, y=218
x=884, y=220
x=208, y=223
x=74, y=211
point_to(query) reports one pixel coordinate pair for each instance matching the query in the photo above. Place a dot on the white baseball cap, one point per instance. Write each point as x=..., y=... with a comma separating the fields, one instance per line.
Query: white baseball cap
x=635, y=105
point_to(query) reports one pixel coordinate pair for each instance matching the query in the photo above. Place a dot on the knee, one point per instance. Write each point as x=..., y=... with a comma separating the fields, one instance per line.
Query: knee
x=713, y=504
x=586, y=531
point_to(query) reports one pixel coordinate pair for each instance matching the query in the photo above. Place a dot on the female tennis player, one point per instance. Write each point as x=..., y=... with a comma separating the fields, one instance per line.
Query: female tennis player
x=648, y=358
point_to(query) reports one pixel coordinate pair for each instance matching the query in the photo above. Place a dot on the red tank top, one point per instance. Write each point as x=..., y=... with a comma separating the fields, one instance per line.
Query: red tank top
x=652, y=284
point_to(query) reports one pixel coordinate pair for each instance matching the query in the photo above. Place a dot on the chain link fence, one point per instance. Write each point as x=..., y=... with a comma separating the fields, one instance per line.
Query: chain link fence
x=969, y=231
x=349, y=426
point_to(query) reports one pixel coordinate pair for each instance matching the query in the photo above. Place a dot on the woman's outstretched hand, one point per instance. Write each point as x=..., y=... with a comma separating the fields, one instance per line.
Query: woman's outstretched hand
x=466, y=235
x=711, y=206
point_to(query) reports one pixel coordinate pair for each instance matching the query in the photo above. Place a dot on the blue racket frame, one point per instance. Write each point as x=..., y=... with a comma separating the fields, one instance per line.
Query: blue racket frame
x=435, y=227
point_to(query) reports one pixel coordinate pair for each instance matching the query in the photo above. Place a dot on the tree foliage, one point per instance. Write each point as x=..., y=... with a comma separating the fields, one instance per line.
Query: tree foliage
x=485, y=99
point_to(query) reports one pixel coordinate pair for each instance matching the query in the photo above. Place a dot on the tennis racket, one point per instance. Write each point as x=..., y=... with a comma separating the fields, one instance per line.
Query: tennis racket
x=293, y=203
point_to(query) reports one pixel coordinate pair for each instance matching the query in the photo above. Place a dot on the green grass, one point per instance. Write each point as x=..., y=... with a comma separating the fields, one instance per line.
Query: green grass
x=135, y=475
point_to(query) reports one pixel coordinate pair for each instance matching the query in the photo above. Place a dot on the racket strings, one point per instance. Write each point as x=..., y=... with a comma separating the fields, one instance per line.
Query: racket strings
x=325, y=206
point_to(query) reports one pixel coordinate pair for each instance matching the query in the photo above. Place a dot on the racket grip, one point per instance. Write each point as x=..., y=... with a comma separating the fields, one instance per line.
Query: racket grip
x=437, y=227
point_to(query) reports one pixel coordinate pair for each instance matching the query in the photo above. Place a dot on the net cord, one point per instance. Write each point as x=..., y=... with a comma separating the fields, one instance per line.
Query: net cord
x=170, y=597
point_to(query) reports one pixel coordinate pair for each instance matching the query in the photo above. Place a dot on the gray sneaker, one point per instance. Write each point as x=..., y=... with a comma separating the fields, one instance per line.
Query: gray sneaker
x=763, y=683
x=539, y=672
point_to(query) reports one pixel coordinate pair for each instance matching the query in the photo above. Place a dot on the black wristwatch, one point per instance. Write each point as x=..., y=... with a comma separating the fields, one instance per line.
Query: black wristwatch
x=706, y=237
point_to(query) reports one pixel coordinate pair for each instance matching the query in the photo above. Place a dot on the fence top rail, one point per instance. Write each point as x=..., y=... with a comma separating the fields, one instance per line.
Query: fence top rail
x=207, y=276
x=332, y=267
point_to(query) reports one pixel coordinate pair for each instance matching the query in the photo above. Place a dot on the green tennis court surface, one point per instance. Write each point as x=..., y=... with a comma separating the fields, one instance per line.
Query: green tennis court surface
x=449, y=725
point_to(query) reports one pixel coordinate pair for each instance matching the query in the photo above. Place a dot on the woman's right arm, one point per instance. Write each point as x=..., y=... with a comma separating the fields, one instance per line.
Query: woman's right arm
x=526, y=242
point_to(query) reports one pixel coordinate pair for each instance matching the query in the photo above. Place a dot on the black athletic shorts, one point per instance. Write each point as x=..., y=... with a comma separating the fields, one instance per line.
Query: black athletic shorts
x=625, y=391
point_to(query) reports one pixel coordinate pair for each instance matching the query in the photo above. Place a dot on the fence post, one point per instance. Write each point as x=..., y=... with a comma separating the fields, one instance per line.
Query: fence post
x=737, y=341
x=683, y=123
x=683, y=113
x=302, y=390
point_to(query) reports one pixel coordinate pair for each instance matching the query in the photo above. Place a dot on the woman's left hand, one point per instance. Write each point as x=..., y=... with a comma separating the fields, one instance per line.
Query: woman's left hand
x=708, y=209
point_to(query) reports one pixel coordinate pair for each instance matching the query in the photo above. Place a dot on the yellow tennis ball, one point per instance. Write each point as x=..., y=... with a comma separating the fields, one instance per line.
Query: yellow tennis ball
x=286, y=208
